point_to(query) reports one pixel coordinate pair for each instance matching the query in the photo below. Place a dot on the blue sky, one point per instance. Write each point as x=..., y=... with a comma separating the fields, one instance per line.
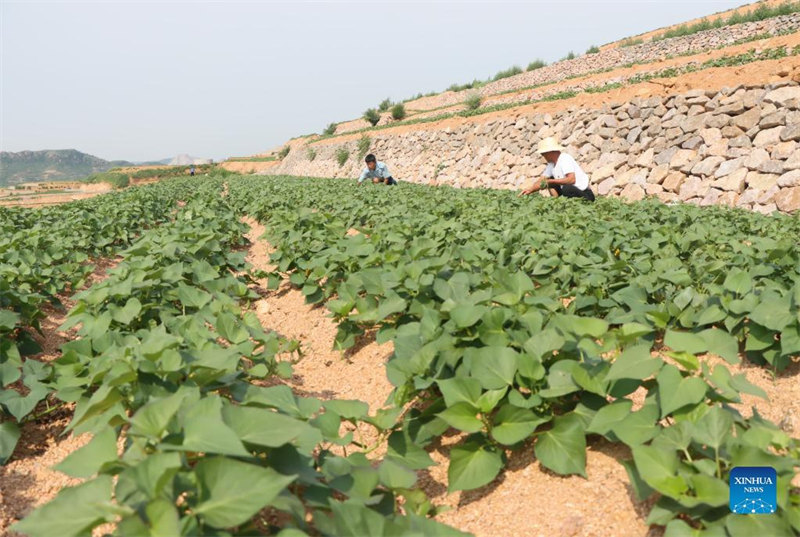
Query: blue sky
x=148, y=80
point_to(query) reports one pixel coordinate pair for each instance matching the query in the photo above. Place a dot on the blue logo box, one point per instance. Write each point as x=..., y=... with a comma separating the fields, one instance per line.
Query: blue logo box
x=754, y=490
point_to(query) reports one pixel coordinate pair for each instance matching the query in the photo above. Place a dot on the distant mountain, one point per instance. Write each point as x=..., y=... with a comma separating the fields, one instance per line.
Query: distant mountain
x=185, y=160
x=162, y=162
x=51, y=165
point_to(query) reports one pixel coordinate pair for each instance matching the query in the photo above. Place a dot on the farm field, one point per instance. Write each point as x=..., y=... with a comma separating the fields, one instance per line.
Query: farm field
x=258, y=355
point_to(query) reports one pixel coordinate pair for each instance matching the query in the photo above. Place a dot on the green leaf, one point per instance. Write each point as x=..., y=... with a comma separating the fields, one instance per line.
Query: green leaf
x=163, y=517
x=772, y=313
x=738, y=281
x=708, y=490
x=87, y=461
x=714, y=428
x=9, y=436
x=494, y=367
x=608, y=416
x=675, y=392
x=685, y=342
x=466, y=315
x=348, y=409
x=205, y=431
x=658, y=468
x=462, y=416
x=722, y=344
x=563, y=448
x=757, y=525
x=513, y=424
x=151, y=420
x=460, y=389
x=232, y=328
x=232, y=491
x=261, y=426
x=8, y=320
x=582, y=326
x=127, y=313
x=193, y=297
x=472, y=465
x=402, y=447
x=638, y=427
x=543, y=343
x=634, y=363
x=73, y=512
x=396, y=476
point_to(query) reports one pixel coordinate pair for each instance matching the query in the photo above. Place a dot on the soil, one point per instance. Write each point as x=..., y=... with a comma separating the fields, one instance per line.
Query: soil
x=248, y=167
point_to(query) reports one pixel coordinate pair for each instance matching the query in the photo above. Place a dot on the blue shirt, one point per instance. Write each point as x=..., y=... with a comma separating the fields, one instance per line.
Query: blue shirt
x=381, y=171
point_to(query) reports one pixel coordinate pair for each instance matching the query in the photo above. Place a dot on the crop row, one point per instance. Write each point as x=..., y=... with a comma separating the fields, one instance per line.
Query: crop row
x=168, y=365
x=538, y=320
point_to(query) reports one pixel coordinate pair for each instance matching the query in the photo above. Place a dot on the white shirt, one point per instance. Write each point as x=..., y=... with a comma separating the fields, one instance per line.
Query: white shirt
x=381, y=171
x=565, y=165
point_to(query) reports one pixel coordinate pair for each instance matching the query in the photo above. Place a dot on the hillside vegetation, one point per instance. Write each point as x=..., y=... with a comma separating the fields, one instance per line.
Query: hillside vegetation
x=50, y=165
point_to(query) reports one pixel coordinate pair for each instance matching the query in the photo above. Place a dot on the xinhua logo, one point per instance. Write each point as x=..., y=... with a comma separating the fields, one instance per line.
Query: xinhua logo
x=753, y=490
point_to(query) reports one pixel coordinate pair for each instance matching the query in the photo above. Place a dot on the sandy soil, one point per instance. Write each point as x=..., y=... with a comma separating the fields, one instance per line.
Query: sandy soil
x=323, y=372
x=248, y=167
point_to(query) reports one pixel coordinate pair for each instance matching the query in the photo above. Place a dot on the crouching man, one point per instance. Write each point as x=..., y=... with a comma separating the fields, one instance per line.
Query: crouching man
x=563, y=176
x=378, y=172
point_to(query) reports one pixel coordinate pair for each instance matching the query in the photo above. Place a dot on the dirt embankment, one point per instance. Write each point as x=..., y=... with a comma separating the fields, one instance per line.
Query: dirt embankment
x=248, y=167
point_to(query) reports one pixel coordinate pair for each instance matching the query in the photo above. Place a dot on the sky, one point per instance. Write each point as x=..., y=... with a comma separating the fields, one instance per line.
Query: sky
x=149, y=80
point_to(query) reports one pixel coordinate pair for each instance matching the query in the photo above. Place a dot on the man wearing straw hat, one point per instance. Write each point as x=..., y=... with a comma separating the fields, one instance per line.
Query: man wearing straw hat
x=563, y=176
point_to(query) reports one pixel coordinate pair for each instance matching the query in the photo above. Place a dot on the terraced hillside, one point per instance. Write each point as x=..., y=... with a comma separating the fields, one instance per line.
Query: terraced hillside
x=707, y=118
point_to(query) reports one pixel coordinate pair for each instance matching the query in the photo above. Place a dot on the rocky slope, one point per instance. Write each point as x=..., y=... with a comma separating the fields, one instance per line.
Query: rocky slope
x=714, y=127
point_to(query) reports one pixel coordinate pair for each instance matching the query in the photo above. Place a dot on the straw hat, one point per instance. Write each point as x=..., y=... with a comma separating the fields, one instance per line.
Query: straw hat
x=547, y=145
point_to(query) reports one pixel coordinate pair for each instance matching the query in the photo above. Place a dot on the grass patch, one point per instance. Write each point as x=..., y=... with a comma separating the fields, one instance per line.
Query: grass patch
x=475, y=84
x=330, y=129
x=604, y=88
x=631, y=42
x=592, y=50
x=284, y=151
x=363, y=145
x=473, y=101
x=311, y=154
x=536, y=64
x=342, y=154
x=384, y=106
x=505, y=73
x=398, y=112
x=372, y=116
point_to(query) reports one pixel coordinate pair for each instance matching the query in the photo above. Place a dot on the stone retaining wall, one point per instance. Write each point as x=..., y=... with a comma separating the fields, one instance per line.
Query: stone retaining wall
x=737, y=146
x=607, y=59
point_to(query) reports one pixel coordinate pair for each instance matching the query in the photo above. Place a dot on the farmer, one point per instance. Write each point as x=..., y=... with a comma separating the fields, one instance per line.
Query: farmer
x=377, y=171
x=563, y=176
